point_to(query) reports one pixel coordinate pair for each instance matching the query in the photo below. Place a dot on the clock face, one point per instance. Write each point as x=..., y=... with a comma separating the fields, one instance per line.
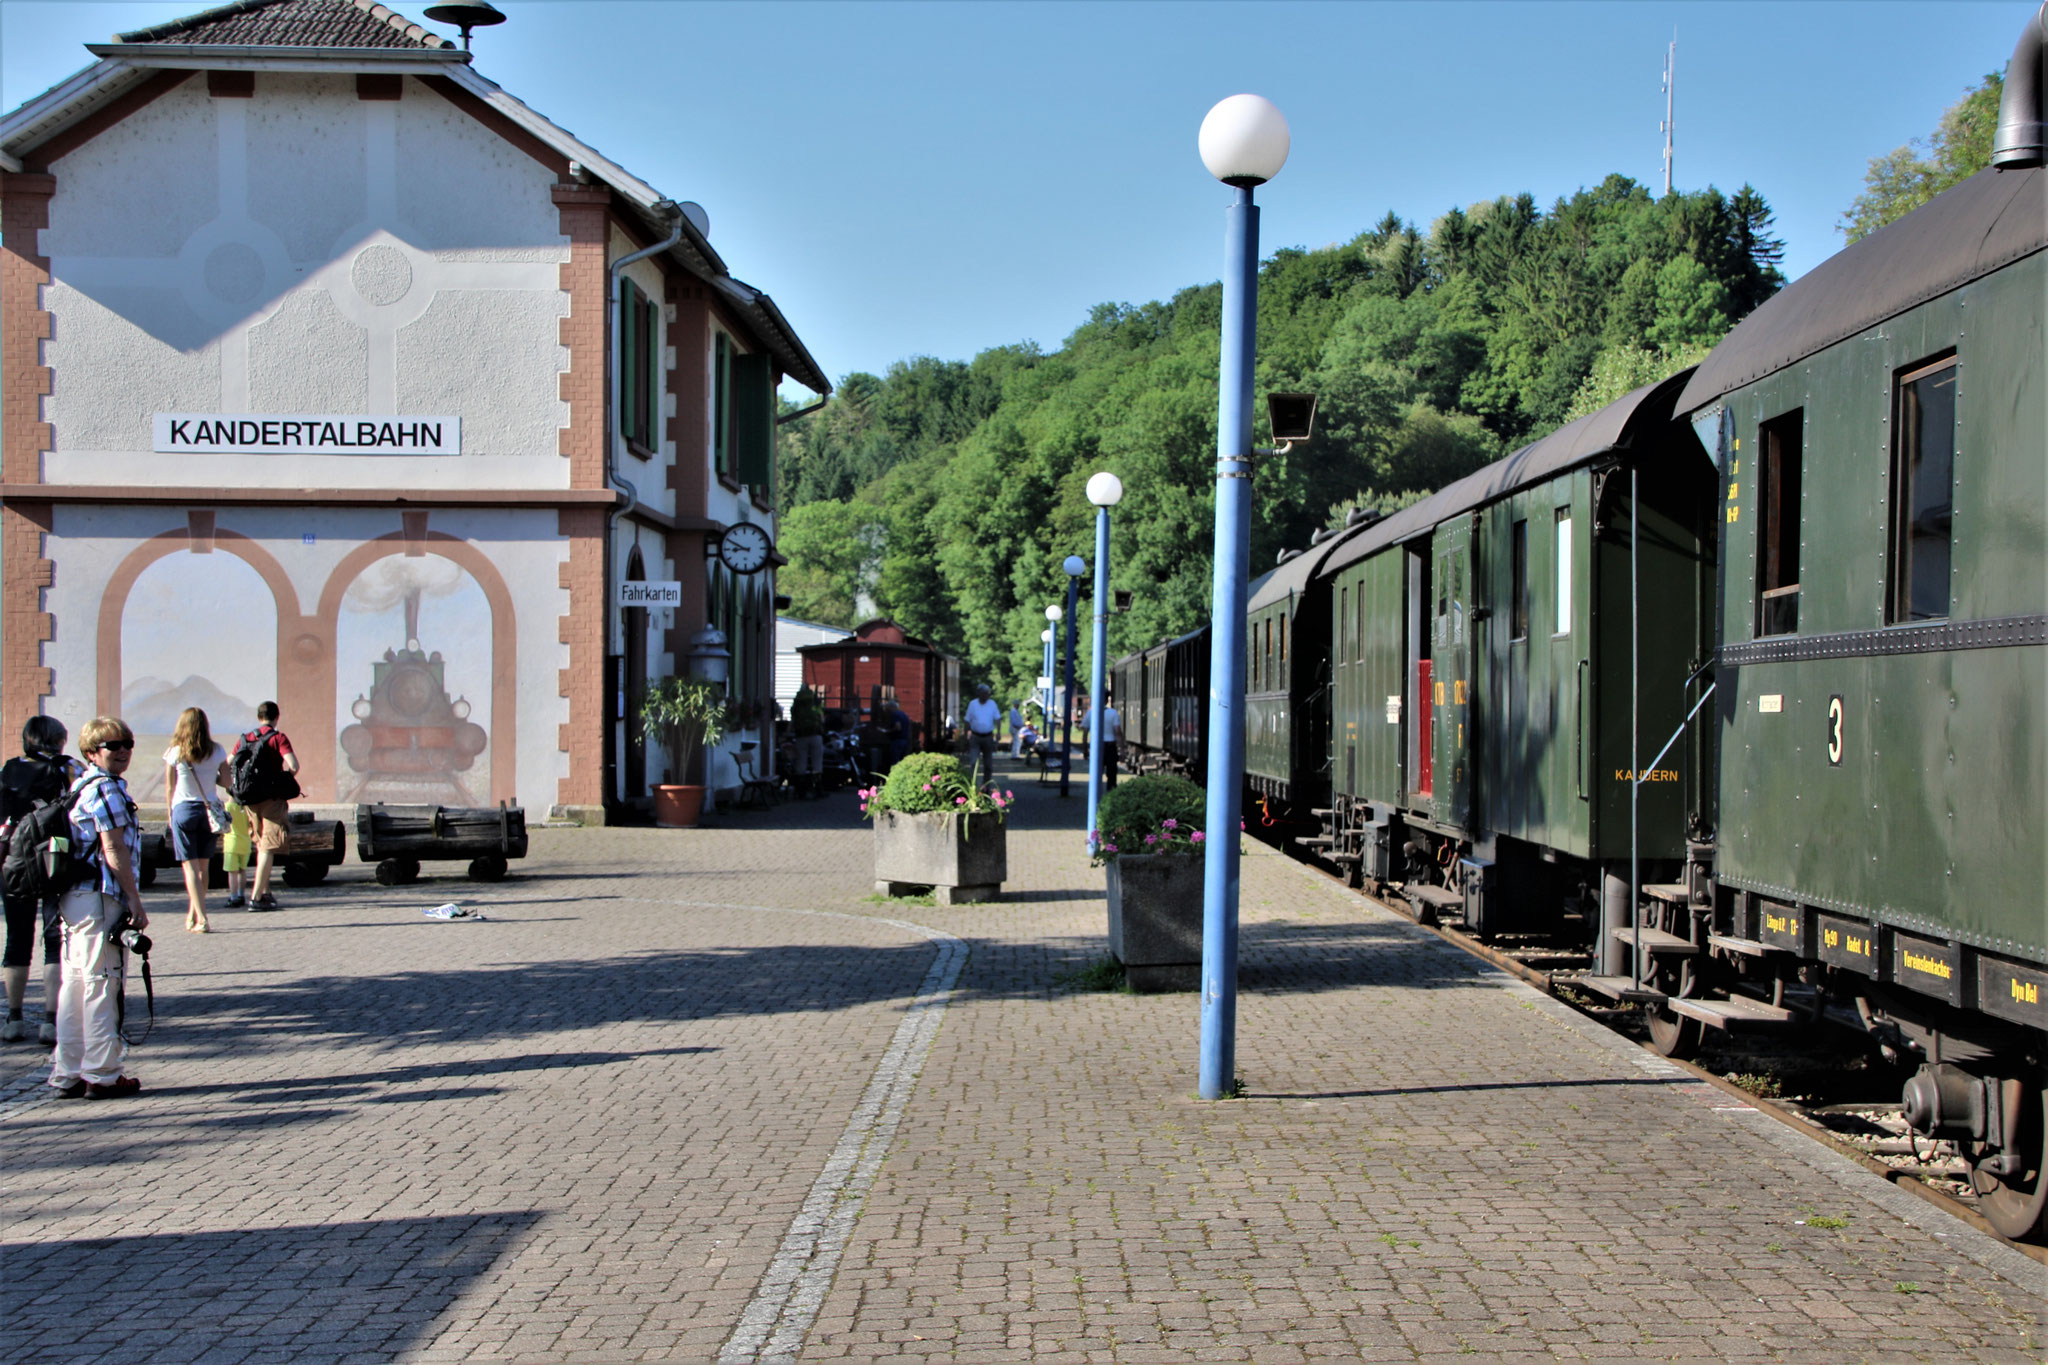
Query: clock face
x=744, y=548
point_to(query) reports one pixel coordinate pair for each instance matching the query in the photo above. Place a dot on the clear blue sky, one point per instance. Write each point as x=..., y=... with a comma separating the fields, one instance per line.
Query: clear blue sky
x=939, y=178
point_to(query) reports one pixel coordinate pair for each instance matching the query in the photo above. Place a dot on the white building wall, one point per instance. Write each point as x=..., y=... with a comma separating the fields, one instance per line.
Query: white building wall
x=305, y=251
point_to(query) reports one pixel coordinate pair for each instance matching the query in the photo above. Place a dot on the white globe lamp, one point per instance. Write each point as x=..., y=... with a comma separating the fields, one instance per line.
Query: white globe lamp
x=1105, y=489
x=1244, y=140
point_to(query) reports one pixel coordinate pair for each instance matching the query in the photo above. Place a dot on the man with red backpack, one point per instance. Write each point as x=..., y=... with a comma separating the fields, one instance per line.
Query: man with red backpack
x=260, y=776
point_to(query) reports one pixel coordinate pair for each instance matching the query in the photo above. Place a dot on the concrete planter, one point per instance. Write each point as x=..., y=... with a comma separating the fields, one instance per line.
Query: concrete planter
x=963, y=858
x=1155, y=920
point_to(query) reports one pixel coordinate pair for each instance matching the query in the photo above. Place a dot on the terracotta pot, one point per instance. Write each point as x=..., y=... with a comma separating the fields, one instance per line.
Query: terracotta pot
x=678, y=807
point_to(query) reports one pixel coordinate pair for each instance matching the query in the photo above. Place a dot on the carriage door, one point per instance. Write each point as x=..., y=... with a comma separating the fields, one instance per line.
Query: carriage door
x=1451, y=675
x=1419, y=632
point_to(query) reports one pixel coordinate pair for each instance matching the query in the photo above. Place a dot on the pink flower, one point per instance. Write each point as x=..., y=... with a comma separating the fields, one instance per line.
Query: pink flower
x=1171, y=823
x=1150, y=838
x=1195, y=838
x=959, y=800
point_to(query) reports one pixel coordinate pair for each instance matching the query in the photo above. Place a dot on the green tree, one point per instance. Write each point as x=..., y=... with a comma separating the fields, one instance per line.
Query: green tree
x=1902, y=179
x=832, y=549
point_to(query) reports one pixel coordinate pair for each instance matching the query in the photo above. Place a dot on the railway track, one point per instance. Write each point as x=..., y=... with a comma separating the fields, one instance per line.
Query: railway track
x=1837, y=1098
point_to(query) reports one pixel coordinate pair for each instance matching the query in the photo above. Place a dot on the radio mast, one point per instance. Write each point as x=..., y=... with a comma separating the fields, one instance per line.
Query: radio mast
x=1670, y=71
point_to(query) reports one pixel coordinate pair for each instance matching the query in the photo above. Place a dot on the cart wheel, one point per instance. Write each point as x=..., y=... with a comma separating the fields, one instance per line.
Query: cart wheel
x=487, y=869
x=302, y=874
x=390, y=872
x=409, y=870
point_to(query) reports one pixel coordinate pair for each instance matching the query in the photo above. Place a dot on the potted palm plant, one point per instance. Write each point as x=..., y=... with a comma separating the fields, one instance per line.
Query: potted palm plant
x=687, y=713
x=934, y=827
x=1150, y=838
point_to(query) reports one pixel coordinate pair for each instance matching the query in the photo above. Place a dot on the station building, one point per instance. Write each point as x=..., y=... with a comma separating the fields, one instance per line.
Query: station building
x=309, y=390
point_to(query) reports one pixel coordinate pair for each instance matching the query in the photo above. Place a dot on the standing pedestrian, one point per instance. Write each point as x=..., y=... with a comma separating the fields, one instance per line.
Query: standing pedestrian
x=235, y=853
x=1016, y=724
x=807, y=726
x=983, y=716
x=1112, y=738
x=269, y=803
x=90, y=1049
x=42, y=773
x=192, y=769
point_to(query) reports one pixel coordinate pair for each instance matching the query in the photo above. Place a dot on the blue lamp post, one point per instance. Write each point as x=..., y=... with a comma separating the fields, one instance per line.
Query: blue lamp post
x=1075, y=567
x=1045, y=681
x=1105, y=490
x=1244, y=143
x=1051, y=638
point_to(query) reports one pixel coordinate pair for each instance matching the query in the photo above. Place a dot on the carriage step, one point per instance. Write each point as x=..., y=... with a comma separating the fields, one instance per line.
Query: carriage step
x=1736, y=1013
x=1657, y=942
x=1319, y=812
x=1315, y=840
x=1435, y=897
x=1343, y=857
x=1747, y=947
x=1671, y=893
x=1620, y=988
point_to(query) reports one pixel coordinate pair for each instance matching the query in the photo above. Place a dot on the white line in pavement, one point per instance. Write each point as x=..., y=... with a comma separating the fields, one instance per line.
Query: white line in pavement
x=793, y=1288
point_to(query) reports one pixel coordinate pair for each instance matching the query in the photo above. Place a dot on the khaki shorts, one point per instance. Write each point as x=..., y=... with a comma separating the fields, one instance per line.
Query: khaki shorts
x=268, y=822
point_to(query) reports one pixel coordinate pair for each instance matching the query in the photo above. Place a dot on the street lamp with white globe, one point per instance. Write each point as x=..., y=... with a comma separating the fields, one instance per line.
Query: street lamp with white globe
x=1244, y=143
x=1051, y=636
x=1105, y=490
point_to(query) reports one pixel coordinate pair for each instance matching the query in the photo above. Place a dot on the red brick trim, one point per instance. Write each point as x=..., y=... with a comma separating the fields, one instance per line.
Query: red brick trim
x=499, y=124
x=24, y=625
x=86, y=129
x=584, y=213
x=582, y=682
x=24, y=325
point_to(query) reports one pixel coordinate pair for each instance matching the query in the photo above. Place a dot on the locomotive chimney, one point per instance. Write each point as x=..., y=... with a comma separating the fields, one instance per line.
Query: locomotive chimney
x=2022, y=139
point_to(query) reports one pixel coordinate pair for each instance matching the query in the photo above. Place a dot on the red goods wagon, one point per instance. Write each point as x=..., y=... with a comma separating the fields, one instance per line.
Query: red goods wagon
x=880, y=661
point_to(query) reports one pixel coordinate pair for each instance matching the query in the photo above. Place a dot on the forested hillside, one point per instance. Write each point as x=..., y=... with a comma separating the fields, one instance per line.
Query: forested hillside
x=948, y=492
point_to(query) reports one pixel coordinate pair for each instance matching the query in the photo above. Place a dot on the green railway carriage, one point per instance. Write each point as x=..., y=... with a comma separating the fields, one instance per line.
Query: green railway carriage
x=1480, y=665
x=1162, y=695
x=1881, y=429
x=1287, y=663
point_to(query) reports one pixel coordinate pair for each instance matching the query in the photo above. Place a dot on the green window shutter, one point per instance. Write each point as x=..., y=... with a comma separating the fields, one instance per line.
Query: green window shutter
x=629, y=361
x=753, y=420
x=656, y=378
x=721, y=406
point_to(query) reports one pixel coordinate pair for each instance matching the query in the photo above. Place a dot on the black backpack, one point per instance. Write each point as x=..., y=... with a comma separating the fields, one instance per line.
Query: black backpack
x=256, y=772
x=26, y=783
x=36, y=871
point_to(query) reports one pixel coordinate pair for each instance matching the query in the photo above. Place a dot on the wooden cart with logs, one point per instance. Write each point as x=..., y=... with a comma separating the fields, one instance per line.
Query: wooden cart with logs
x=312, y=846
x=399, y=838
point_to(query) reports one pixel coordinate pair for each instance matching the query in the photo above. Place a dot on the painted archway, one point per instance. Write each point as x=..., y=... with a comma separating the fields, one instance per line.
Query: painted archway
x=504, y=655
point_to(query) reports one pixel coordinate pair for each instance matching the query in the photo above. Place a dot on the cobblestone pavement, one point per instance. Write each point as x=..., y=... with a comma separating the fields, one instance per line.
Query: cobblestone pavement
x=697, y=1095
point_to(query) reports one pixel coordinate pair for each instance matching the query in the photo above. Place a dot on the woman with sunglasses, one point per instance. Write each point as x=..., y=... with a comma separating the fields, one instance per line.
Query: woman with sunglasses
x=104, y=830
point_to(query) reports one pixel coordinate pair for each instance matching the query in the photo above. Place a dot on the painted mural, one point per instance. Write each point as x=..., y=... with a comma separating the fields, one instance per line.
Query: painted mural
x=413, y=655
x=197, y=630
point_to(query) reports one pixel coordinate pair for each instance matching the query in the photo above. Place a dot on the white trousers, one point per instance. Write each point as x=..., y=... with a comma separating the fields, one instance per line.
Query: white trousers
x=89, y=1045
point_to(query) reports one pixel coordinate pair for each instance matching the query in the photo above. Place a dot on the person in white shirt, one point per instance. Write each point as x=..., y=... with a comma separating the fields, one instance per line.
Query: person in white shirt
x=192, y=769
x=983, y=716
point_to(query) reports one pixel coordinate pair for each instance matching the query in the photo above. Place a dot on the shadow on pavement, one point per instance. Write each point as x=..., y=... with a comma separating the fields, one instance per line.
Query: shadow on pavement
x=1392, y=1090
x=369, y=1289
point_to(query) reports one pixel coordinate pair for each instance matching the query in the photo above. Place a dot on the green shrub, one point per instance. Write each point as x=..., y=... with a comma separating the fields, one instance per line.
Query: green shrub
x=1160, y=813
x=925, y=783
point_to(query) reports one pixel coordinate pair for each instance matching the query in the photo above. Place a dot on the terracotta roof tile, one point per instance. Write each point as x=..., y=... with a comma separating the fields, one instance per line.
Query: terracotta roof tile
x=294, y=23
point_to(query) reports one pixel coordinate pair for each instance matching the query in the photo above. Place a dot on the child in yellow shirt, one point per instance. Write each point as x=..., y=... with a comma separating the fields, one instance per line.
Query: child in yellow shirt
x=235, y=850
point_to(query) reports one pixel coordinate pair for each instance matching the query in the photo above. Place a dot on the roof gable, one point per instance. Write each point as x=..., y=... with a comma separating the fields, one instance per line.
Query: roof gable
x=294, y=23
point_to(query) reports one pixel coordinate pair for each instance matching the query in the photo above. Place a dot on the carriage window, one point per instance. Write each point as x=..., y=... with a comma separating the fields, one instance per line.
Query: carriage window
x=1518, y=585
x=1343, y=624
x=1777, y=577
x=1922, y=493
x=1358, y=645
x=1564, y=571
x=1283, y=639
